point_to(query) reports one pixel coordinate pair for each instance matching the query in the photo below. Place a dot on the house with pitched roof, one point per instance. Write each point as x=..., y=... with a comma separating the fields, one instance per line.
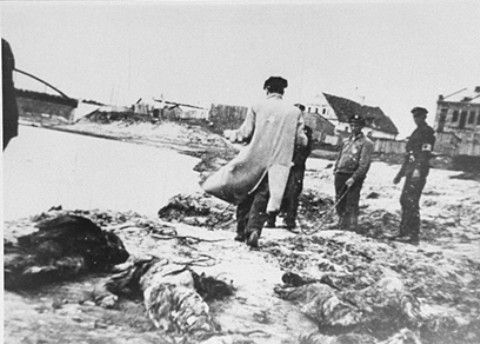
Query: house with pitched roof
x=338, y=111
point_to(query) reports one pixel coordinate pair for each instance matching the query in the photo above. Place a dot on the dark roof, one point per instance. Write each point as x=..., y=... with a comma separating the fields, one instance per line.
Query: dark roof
x=92, y=102
x=375, y=117
x=178, y=104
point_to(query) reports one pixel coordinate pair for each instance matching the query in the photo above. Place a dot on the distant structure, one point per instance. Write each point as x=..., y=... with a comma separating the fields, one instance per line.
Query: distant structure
x=223, y=116
x=322, y=129
x=327, y=115
x=338, y=110
x=170, y=110
x=457, y=122
x=38, y=106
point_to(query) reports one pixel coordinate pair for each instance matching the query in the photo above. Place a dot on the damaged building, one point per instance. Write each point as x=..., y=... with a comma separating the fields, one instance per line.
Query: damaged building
x=170, y=110
x=457, y=123
x=338, y=110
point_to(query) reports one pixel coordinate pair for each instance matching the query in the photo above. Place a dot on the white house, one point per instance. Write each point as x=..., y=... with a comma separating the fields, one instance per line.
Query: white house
x=338, y=110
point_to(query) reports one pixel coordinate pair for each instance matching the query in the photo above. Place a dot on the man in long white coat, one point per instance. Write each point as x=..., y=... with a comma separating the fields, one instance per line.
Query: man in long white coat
x=255, y=180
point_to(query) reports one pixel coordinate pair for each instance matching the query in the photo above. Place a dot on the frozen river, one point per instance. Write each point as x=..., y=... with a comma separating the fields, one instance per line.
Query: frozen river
x=44, y=168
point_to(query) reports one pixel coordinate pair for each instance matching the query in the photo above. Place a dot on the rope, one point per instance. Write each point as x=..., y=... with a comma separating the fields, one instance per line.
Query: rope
x=180, y=237
x=203, y=260
x=331, y=209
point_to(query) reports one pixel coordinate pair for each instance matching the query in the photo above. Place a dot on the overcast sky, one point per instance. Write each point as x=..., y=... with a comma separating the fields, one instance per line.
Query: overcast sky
x=395, y=54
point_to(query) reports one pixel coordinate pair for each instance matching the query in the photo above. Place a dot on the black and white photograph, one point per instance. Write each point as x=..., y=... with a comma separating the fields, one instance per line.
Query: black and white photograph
x=240, y=172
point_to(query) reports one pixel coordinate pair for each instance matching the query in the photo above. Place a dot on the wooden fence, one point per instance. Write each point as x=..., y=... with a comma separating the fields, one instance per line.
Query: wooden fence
x=389, y=146
x=226, y=116
x=447, y=144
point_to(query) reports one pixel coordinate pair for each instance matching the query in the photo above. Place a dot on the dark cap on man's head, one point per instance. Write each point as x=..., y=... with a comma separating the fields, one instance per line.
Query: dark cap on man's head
x=275, y=82
x=417, y=110
x=300, y=106
x=357, y=119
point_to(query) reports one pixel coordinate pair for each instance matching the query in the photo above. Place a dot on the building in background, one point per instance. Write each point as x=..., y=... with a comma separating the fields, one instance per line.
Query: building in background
x=223, y=116
x=457, y=123
x=165, y=109
x=338, y=110
x=322, y=128
x=327, y=115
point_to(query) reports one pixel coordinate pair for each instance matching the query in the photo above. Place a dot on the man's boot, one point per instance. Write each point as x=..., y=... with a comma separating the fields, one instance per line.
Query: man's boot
x=344, y=222
x=414, y=240
x=239, y=237
x=403, y=238
x=289, y=223
x=271, y=218
x=403, y=230
x=252, y=240
x=404, y=235
x=354, y=223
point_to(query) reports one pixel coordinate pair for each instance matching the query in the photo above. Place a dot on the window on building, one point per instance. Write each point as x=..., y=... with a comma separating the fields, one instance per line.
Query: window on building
x=455, y=116
x=443, y=113
x=478, y=118
x=309, y=109
x=463, y=119
x=471, y=118
x=441, y=120
x=324, y=110
x=316, y=110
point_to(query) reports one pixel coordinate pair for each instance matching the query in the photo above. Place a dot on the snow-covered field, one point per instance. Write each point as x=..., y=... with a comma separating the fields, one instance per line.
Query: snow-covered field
x=45, y=168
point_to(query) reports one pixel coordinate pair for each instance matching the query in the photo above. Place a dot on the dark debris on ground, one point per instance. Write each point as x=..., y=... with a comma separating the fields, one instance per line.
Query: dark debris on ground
x=361, y=286
x=199, y=209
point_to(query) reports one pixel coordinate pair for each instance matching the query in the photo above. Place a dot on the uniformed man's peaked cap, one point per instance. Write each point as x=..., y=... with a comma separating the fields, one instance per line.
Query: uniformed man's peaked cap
x=419, y=110
x=357, y=119
x=300, y=106
x=275, y=82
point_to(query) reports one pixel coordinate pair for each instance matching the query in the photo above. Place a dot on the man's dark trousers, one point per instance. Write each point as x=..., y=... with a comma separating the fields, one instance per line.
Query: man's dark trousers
x=292, y=193
x=251, y=212
x=348, y=207
x=290, y=198
x=409, y=200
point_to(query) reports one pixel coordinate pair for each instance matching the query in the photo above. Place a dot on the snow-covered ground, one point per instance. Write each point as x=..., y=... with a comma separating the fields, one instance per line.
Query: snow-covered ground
x=45, y=168
x=445, y=200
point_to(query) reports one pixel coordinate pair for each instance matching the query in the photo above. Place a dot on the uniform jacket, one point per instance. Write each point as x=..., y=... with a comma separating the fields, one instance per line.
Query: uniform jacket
x=272, y=128
x=419, y=151
x=355, y=156
x=301, y=153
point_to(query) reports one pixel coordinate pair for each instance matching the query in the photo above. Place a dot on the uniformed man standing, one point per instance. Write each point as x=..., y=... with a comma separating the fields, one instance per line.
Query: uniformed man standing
x=350, y=171
x=415, y=170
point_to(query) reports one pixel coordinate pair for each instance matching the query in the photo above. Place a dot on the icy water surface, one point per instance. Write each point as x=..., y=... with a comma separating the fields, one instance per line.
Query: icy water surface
x=44, y=168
